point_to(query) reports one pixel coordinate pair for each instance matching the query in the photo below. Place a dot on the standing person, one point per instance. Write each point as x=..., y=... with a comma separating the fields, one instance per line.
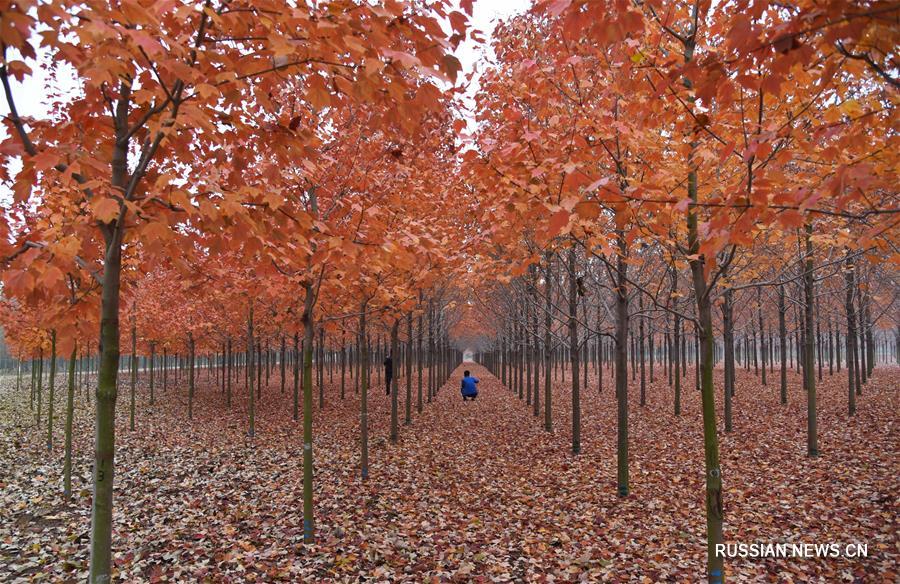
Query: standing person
x=388, y=372
x=469, y=387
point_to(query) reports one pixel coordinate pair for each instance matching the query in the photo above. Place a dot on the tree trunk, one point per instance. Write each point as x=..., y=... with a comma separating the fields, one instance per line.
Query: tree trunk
x=191, y=368
x=281, y=361
x=867, y=331
x=714, y=514
x=730, y=370
x=600, y=353
x=70, y=415
x=536, y=357
x=395, y=430
x=105, y=427
x=40, y=383
x=526, y=330
x=762, y=334
x=249, y=372
x=419, y=363
x=321, y=368
x=641, y=349
x=133, y=381
x=808, y=368
x=851, y=332
x=676, y=346
x=819, y=337
x=258, y=366
x=343, y=361
x=573, y=354
x=409, y=354
x=308, y=336
x=364, y=392
x=52, y=385
x=152, y=363
x=782, y=339
x=548, y=352
x=621, y=364
x=432, y=381
x=299, y=355
x=229, y=362
x=830, y=347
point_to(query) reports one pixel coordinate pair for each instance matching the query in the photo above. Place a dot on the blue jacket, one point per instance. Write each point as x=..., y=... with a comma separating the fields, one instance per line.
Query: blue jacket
x=468, y=386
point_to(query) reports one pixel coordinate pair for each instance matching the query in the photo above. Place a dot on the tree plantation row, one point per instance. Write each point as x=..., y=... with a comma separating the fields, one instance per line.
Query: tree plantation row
x=231, y=211
x=265, y=365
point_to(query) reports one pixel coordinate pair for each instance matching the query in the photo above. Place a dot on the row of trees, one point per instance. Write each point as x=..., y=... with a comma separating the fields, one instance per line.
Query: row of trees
x=226, y=172
x=535, y=307
x=675, y=162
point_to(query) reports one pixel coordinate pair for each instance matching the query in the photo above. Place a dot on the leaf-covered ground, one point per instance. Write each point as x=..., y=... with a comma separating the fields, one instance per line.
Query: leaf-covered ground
x=474, y=492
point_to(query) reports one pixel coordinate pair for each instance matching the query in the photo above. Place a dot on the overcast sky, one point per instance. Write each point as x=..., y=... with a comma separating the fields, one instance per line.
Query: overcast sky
x=484, y=16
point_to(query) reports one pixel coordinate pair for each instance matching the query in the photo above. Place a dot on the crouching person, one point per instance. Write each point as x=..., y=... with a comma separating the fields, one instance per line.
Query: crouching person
x=469, y=387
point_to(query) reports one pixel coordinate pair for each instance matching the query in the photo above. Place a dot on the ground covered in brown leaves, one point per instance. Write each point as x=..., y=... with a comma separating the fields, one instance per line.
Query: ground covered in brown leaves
x=473, y=492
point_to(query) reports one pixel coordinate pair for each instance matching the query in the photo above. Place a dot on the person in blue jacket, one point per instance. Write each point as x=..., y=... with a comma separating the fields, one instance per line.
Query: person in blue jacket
x=469, y=387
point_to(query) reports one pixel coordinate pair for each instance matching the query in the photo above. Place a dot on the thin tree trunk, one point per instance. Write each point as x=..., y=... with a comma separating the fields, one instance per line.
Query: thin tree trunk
x=229, y=362
x=819, y=337
x=808, y=371
x=105, y=426
x=191, y=367
x=548, y=352
x=395, y=430
x=260, y=367
x=782, y=338
x=419, y=363
x=70, y=415
x=536, y=357
x=321, y=368
x=52, y=385
x=364, y=388
x=527, y=353
x=299, y=355
x=676, y=345
x=867, y=330
x=573, y=354
x=762, y=334
x=851, y=332
x=714, y=512
x=343, y=361
x=249, y=373
x=621, y=364
x=641, y=348
x=133, y=372
x=308, y=337
x=730, y=369
x=409, y=354
x=152, y=363
x=281, y=362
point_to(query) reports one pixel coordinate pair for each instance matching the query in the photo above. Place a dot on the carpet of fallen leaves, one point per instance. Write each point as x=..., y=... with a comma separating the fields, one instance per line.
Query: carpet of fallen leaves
x=473, y=492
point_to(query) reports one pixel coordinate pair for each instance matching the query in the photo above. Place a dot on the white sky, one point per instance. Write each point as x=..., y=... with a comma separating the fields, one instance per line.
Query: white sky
x=485, y=15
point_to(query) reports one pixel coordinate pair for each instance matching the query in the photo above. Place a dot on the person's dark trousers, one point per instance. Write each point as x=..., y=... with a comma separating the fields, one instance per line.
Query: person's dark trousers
x=388, y=385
